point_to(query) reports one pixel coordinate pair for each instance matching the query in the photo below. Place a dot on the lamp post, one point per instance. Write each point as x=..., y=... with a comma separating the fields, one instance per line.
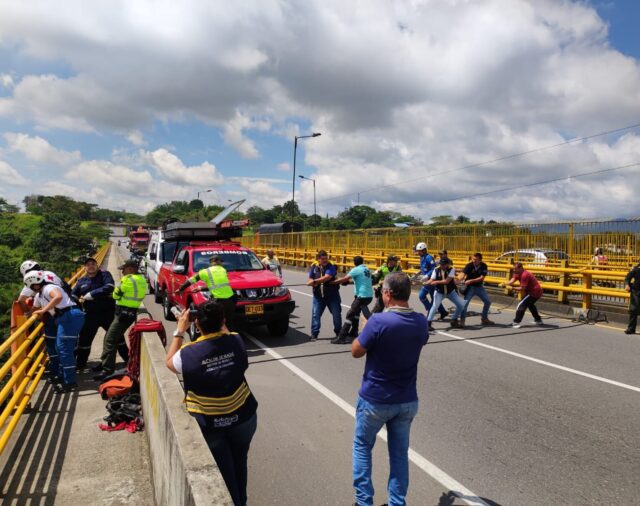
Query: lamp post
x=314, y=192
x=203, y=191
x=293, y=188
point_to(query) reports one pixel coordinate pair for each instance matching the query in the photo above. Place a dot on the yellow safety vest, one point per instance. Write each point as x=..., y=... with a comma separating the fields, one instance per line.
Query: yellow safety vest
x=217, y=281
x=131, y=292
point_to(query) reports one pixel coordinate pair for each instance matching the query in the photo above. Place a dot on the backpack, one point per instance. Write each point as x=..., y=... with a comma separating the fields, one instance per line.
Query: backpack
x=115, y=386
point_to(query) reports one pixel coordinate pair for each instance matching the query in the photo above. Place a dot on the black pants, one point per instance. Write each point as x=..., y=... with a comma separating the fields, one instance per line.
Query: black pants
x=350, y=326
x=379, y=305
x=229, y=309
x=93, y=321
x=634, y=308
x=528, y=302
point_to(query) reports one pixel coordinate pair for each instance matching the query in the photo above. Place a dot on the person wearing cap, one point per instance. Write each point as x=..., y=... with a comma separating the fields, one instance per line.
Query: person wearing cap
x=426, y=294
x=128, y=296
x=443, y=278
x=217, y=284
x=272, y=263
x=391, y=265
x=94, y=291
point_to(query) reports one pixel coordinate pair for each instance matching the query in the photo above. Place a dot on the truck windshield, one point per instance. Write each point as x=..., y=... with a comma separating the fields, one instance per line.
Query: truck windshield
x=232, y=260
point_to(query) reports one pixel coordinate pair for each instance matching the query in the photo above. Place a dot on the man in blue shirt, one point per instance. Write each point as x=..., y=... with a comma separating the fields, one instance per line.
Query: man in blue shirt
x=326, y=294
x=426, y=294
x=392, y=342
x=363, y=288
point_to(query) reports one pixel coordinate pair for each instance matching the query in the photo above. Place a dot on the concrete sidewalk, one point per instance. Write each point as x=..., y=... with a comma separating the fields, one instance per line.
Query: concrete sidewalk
x=60, y=456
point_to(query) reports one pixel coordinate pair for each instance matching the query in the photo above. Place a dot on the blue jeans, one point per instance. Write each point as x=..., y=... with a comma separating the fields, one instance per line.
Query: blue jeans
x=479, y=291
x=438, y=297
x=370, y=417
x=61, y=349
x=230, y=449
x=319, y=305
x=427, y=302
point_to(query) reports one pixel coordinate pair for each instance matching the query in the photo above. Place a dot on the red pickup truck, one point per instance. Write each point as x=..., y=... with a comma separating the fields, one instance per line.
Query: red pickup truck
x=261, y=298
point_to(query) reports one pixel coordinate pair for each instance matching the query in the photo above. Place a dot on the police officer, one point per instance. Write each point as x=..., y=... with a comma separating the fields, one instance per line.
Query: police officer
x=632, y=285
x=68, y=320
x=217, y=280
x=377, y=278
x=128, y=296
x=94, y=291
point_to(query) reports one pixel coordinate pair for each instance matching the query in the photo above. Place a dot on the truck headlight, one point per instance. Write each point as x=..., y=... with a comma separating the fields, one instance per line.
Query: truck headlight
x=280, y=291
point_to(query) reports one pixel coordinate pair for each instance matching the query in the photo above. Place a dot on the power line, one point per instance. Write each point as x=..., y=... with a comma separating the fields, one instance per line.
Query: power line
x=526, y=185
x=487, y=162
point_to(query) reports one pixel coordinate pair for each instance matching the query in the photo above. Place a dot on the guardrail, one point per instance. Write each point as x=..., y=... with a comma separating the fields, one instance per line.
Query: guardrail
x=564, y=281
x=26, y=364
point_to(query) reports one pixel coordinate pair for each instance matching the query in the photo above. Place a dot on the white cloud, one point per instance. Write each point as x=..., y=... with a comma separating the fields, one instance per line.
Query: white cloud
x=173, y=169
x=136, y=138
x=10, y=176
x=6, y=81
x=39, y=150
x=284, y=167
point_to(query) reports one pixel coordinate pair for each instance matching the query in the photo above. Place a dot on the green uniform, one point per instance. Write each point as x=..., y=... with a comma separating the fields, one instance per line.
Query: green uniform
x=379, y=275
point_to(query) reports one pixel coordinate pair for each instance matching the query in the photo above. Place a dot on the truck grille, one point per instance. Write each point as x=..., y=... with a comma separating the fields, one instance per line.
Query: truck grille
x=256, y=293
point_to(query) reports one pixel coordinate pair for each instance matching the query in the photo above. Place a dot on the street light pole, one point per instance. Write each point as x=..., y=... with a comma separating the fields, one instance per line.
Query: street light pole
x=314, y=192
x=293, y=186
x=203, y=191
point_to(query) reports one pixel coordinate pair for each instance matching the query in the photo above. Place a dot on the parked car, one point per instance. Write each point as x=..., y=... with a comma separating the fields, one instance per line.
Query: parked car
x=533, y=256
x=261, y=298
x=159, y=253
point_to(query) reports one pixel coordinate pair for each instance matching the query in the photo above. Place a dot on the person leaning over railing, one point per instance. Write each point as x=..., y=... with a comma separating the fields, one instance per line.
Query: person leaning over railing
x=217, y=394
x=632, y=285
x=68, y=320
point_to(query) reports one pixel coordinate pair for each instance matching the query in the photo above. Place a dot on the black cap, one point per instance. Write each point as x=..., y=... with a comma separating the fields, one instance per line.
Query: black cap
x=216, y=259
x=445, y=261
x=442, y=252
x=129, y=263
x=392, y=258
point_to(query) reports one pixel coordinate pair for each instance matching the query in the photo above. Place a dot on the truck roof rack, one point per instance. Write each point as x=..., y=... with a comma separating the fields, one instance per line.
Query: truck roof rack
x=198, y=231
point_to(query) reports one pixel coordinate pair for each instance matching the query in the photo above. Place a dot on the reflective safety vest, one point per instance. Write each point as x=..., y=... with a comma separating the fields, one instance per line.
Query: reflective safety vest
x=131, y=292
x=385, y=271
x=217, y=281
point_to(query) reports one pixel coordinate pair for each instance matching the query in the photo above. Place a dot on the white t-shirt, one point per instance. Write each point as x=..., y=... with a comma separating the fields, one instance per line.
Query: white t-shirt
x=46, y=296
x=177, y=362
x=49, y=277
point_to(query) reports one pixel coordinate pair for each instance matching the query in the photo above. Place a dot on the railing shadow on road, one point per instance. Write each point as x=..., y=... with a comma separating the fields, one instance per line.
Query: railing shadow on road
x=453, y=499
x=32, y=470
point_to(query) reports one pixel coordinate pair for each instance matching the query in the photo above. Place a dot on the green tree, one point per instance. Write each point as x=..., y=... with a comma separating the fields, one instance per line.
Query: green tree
x=5, y=207
x=443, y=219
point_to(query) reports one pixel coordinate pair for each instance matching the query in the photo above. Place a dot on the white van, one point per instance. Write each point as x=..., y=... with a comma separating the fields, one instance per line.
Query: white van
x=159, y=252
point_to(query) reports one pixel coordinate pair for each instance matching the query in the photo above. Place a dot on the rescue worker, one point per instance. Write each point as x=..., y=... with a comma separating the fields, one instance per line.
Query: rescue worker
x=68, y=320
x=128, y=296
x=632, y=285
x=50, y=330
x=363, y=294
x=272, y=263
x=378, y=276
x=472, y=280
x=426, y=294
x=216, y=392
x=217, y=280
x=531, y=291
x=326, y=294
x=94, y=291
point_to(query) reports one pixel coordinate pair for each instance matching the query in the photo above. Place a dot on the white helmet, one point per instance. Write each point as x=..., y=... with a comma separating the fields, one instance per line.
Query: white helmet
x=421, y=246
x=33, y=278
x=28, y=265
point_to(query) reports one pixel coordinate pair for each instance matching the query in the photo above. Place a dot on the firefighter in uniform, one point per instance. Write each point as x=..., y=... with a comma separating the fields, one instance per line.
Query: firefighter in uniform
x=385, y=269
x=217, y=281
x=128, y=296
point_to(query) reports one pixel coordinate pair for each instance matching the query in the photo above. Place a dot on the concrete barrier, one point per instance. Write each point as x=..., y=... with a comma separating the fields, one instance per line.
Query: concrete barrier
x=182, y=467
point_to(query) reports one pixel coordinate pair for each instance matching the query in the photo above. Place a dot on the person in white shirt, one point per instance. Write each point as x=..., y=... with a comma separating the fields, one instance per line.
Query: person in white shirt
x=68, y=320
x=443, y=278
x=272, y=263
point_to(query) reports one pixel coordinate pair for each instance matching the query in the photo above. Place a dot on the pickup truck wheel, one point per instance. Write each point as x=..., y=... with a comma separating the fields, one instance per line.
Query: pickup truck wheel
x=157, y=294
x=166, y=307
x=193, y=330
x=278, y=328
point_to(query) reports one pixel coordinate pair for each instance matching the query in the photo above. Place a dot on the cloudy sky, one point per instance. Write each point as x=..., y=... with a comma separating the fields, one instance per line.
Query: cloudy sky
x=130, y=104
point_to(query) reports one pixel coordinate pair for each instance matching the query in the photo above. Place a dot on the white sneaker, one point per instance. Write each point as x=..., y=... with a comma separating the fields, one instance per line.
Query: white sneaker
x=516, y=325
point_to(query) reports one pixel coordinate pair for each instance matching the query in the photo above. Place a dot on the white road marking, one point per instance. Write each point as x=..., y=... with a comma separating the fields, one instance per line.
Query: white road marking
x=530, y=359
x=431, y=469
x=544, y=362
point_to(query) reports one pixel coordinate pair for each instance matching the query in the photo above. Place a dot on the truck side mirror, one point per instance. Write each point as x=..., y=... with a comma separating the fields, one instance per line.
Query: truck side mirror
x=178, y=269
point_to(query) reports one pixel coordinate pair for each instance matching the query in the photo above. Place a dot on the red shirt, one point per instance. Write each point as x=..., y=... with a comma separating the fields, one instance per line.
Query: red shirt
x=529, y=284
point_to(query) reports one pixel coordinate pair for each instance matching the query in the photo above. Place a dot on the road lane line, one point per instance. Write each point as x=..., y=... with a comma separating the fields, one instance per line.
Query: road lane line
x=463, y=493
x=530, y=359
x=543, y=362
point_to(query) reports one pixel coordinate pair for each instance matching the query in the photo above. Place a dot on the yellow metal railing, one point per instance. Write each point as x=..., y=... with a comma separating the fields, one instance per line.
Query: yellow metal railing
x=562, y=279
x=26, y=365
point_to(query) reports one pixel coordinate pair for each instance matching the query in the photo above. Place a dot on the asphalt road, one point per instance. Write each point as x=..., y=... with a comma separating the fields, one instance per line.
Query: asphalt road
x=546, y=415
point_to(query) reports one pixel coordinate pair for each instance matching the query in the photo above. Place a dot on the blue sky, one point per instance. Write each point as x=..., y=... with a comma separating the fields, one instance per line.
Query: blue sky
x=132, y=105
